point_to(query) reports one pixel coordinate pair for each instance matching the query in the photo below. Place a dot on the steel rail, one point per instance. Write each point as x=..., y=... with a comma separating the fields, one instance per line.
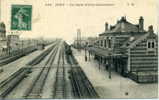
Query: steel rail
x=59, y=86
x=7, y=86
x=39, y=58
x=36, y=88
x=82, y=87
x=12, y=81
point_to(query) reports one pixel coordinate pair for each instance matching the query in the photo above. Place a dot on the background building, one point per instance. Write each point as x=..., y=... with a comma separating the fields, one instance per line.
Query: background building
x=13, y=42
x=3, y=40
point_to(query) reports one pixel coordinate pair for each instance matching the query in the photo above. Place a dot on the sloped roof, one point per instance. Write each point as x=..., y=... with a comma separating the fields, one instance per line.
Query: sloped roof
x=131, y=39
x=123, y=26
x=137, y=38
x=105, y=52
x=101, y=52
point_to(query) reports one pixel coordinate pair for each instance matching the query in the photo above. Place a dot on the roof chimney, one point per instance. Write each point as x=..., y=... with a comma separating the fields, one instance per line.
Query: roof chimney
x=141, y=24
x=106, y=26
x=150, y=29
x=123, y=19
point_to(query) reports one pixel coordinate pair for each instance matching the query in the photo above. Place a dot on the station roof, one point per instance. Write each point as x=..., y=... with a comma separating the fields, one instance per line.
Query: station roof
x=123, y=26
x=106, y=52
x=138, y=39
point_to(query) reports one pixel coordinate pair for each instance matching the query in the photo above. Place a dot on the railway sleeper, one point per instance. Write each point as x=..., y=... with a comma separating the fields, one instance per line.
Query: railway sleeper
x=76, y=89
x=81, y=85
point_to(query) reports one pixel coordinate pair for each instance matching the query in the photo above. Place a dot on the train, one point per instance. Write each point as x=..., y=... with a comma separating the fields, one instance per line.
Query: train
x=68, y=50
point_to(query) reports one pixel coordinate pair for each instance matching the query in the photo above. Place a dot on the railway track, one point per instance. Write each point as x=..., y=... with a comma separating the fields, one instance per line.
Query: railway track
x=39, y=58
x=75, y=79
x=12, y=81
x=60, y=82
x=36, y=89
x=21, y=53
x=9, y=59
x=82, y=87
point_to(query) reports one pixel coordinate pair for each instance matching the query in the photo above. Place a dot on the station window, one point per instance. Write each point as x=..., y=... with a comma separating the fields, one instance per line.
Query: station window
x=109, y=43
x=97, y=43
x=105, y=43
x=151, y=47
x=151, y=44
x=101, y=43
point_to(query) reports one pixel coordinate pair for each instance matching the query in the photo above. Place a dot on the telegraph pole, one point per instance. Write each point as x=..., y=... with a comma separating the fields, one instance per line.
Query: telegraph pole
x=110, y=61
x=86, y=51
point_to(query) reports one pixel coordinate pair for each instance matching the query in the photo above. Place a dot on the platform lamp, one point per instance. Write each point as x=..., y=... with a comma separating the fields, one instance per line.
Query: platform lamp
x=110, y=57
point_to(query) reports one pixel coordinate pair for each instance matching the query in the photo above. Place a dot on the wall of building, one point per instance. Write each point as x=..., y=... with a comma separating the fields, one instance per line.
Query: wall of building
x=3, y=41
x=141, y=58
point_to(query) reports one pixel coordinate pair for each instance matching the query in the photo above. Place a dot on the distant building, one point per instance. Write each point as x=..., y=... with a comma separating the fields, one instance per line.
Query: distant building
x=13, y=42
x=78, y=41
x=3, y=41
x=91, y=41
x=81, y=45
x=129, y=50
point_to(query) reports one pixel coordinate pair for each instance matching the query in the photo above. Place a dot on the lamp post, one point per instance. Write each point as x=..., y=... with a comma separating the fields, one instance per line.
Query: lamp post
x=110, y=66
x=89, y=54
x=99, y=61
x=86, y=51
x=110, y=55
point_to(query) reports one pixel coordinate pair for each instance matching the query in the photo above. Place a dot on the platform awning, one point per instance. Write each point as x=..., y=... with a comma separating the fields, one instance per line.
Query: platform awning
x=105, y=53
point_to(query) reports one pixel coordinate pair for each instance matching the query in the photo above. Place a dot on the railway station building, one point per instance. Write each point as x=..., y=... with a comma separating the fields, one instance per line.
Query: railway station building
x=129, y=50
x=13, y=42
x=3, y=40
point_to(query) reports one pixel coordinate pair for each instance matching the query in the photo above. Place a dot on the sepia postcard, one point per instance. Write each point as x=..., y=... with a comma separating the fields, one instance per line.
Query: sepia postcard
x=79, y=49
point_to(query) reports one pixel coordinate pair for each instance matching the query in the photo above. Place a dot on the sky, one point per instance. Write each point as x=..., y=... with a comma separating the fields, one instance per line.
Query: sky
x=51, y=20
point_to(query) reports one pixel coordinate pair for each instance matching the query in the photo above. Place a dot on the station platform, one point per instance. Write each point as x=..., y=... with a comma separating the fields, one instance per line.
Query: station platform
x=117, y=86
